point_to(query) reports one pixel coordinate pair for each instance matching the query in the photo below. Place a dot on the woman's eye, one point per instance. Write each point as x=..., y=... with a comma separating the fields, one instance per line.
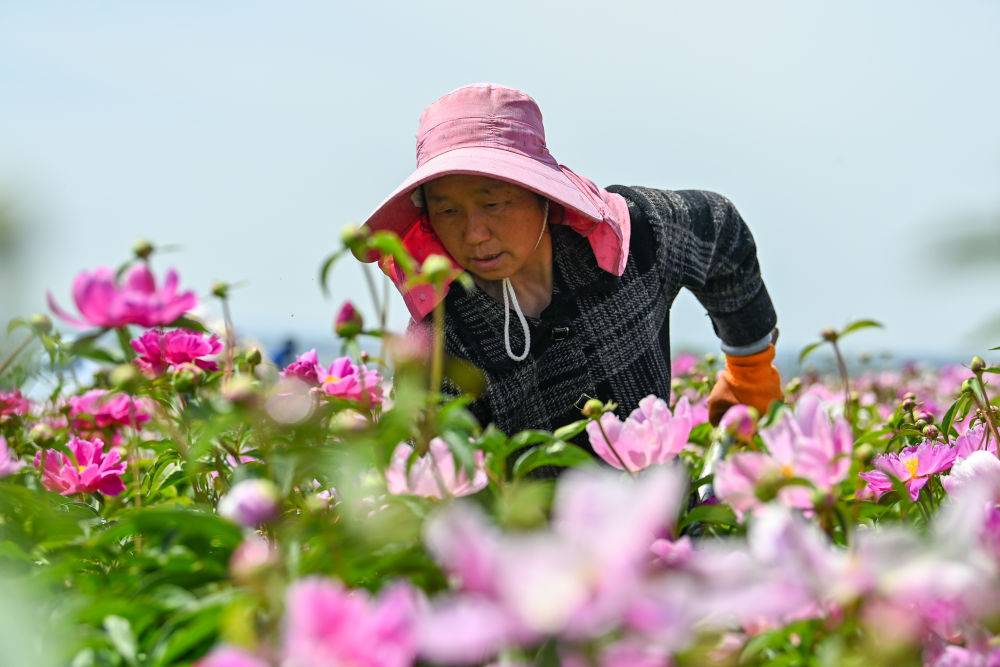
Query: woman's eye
x=447, y=211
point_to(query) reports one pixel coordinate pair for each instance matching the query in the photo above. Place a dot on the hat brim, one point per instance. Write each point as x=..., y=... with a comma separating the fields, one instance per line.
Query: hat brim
x=398, y=213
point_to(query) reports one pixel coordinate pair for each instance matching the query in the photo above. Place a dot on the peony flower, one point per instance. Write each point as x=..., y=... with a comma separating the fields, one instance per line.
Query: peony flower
x=345, y=380
x=806, y=444
x=683, y=364
x=327, y=624
x=912, y=465
x=652, y=434
x=229, y=656
x=739, y=421
x=305, y=367
x=100, y=409
x=348, y=322
x=13, y=404
x=9, y=464
x=254, y=555
x=87, y=470
x=157, y=351
x=104, y=302
x=251, y=502
x=433, y=475
x=979, y=467
x=975, y=439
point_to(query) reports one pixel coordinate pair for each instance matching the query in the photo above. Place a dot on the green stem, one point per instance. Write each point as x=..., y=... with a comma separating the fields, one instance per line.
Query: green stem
x=986, y=407
x=612, y=448
x=437, y=358
x=844, y=377
x=230, y=339
x=13, y=355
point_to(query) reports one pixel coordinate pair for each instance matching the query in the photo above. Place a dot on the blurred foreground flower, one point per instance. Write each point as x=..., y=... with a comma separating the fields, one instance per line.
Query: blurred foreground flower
x=229, y=656
x=251, y=502
x=157, y=351
x=348, y=322
x=327, y=624
x=652, y=434
x=8, y=459
x=104, y=302
x=433, y=475
x=89, y=470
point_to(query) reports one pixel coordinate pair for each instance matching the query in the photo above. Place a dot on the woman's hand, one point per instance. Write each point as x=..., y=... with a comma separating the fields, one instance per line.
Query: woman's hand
x=751, y=380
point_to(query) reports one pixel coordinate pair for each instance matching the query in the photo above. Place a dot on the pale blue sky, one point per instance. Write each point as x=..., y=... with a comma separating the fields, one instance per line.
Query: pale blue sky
x=850, y=135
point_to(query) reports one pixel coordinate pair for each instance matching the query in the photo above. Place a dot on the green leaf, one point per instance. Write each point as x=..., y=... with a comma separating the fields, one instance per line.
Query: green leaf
x=390, y=244
x=808, y=349
x=720, y=515
x=858, y=325
x=994, y=349
x=460, y=447
x=183, y=322
x=558, y=453
x=525, y=438
x=324, y=270
x=569, y=431
x=122, y=638
x=17, y=323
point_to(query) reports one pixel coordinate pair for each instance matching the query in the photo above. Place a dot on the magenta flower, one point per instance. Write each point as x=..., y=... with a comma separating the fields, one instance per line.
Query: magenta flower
x=100, y=409
x=251, y=502
x=104, y=302
x=348, y=322
x=229, y=656
x=13, y=404
x=254, y=555
x=912, y=465
x=652, y=434
x=327, y=624
x=345, y=380
x=157, y=351
x=683, y=364
x=87, y=470
x=806, y=444
x=9, y=464
x=305, y=367
x=433, y=475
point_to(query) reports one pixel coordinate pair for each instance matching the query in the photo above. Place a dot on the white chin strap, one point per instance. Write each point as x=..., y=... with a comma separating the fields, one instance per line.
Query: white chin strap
x=509, y=295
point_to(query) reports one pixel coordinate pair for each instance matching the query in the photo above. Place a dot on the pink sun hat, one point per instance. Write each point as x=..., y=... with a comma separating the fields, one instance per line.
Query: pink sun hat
x=490, y=130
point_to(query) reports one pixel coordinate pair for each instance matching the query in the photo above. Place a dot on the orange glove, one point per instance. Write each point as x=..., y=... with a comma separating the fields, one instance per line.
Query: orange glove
x=751, y=380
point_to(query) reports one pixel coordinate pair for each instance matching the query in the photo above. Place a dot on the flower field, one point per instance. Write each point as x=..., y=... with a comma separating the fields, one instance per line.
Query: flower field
x=184, y=501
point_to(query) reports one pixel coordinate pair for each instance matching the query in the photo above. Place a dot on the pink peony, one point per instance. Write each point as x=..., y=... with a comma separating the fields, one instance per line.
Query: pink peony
x=979, y=467
x=348, y=322
x=254, y=555
x=740, y=422
x=683, y=364
x=157, y=351
x=104, y=302
x=913, y=466
x=345, y=380
x=13, y=404
x=806, y=444
x=342, y=379
x=433, y=475
x=652, y=434
x=251, y=502
x=229, y=656
x=975, y=439
x=327, y=624
x=99, y=410
x=89, y=470
x=9, y=464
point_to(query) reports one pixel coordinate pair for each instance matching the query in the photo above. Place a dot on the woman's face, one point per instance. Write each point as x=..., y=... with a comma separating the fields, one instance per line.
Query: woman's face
x=490, y=227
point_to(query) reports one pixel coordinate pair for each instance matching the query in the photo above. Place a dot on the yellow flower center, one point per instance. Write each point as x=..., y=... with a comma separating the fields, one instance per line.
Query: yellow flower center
x=81, y=468
x=787, y=471
x=911, y=465
x=331, y=378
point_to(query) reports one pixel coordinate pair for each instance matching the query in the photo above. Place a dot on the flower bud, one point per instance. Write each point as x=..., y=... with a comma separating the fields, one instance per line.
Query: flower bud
x=348, y=322
x=220, y=289
x=829, y=335
x=40, y=323
x=923, y=415
x=185, y=378
x=910, y=396
x=967, y=386
x=920, y=425
x=251, y=558
x=143, y=249
x=908, y=404
x=711, y=359
x=352, y=236
x=592, y=408
x=41, y=432
x=251, y=503
x=240, y=389
x=977, y=365
x=436, y=268
x=254, y=356
x=931, y=432
x=125, y=377
x=740, y=421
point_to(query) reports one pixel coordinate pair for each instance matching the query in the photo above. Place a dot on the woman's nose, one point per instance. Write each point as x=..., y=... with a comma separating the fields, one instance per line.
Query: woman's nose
x=476, y=230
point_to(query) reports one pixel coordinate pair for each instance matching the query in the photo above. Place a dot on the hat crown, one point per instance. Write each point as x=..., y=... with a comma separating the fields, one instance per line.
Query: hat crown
x=483, y=115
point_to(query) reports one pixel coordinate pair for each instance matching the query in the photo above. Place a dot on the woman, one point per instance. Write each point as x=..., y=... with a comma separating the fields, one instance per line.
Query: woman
x=575, y=281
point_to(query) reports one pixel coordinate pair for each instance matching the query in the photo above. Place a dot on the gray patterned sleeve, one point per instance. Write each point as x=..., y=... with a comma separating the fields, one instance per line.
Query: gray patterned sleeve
x=705, y=246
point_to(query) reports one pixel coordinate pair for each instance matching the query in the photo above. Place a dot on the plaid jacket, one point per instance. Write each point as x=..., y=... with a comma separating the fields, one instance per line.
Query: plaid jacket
x=607, y=336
